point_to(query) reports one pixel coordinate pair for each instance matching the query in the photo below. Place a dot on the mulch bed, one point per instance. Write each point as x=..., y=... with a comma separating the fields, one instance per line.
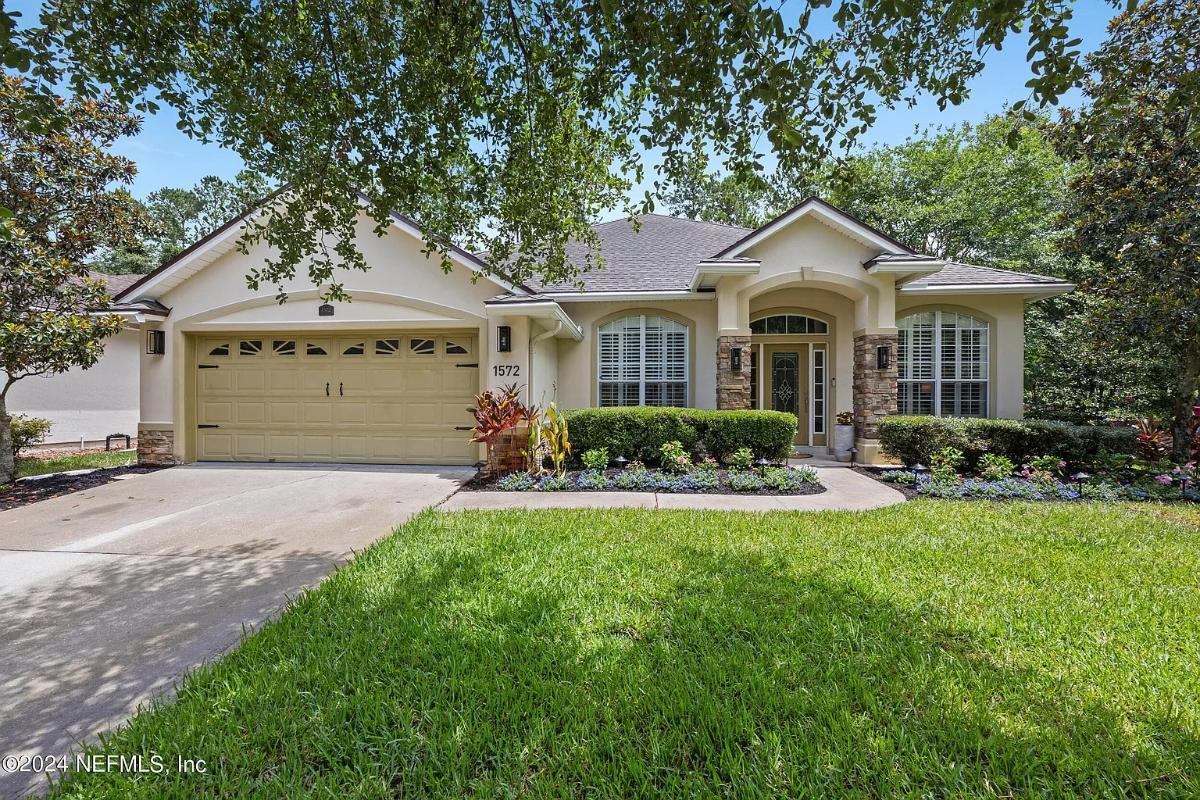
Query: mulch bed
x=909, y=491
x=479, y=484
x=22, y=493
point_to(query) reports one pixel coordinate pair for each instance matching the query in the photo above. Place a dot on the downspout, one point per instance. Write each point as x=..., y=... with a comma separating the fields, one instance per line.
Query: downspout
x=541, y=337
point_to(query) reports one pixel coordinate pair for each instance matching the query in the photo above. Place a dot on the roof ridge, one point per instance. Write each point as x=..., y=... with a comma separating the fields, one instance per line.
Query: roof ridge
x=673, y=217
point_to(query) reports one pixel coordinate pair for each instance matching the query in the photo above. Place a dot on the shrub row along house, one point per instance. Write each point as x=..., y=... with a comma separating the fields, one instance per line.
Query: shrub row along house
x=813, y=313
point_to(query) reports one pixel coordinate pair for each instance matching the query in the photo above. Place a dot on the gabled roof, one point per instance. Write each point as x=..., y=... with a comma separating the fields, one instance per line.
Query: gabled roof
x=829, y=214
x=661, y=255
x=224, y=239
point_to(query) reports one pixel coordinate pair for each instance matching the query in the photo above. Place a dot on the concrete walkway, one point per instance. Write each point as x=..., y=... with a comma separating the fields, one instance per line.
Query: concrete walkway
x=845, y=490
x=110, y=594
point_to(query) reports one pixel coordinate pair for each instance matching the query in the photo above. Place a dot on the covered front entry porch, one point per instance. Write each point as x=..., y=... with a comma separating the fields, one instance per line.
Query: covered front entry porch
x=815, y=344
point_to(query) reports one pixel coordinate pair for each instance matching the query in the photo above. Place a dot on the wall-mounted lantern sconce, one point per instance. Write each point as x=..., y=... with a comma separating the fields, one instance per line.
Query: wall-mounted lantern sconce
x=504, y=339
x=156, y=343
x=735, y=359
x=883, y=356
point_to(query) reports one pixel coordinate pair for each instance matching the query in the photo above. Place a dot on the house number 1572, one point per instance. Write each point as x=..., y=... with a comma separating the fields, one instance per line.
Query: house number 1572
x=506, y=371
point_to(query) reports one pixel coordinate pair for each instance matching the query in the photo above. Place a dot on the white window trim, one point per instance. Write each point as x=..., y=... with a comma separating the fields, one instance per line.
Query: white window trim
x=641, y=379
x=937, y=378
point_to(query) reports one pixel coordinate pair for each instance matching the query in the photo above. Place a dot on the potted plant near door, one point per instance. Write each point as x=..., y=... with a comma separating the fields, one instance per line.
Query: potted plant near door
x=843, y=435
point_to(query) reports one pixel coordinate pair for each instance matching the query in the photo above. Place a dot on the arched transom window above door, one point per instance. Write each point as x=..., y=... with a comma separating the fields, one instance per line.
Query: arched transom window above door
x=942, y=364
x=642, y=360
x=788, y=323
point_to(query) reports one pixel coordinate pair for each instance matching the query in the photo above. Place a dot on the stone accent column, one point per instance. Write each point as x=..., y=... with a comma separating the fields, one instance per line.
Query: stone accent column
x=156, y=447
x=874, y=389
x=507, y=453
x=733, y=388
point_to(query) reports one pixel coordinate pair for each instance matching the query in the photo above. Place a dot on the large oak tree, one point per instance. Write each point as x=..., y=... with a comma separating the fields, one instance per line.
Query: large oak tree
x=507, y=126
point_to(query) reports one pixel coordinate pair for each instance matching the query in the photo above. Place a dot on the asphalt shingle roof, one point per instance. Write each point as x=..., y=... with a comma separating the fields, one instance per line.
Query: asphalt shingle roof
x=955, y=274
x=115, y=283
x=661, y=254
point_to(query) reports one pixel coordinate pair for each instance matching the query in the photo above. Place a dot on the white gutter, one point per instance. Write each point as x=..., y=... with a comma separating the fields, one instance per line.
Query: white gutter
x=558, y=326
x=990, y=288
x=538, y=309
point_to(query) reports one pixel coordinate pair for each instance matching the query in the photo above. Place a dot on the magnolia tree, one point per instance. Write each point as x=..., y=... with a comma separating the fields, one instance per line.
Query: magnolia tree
x=1137, y=140
x=508, y=126
x=57, y=183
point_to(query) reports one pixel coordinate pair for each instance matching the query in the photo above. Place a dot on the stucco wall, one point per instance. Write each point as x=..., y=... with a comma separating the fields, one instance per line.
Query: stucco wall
x=1006, y=313
x=543, y=368
x=577, y=360
x=89, y=403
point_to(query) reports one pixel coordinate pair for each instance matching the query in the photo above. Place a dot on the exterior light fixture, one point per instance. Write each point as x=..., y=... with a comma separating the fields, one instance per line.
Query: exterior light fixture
x=504, y=339
x=917, y=469
x=883, y=356
x=156, y=342
x=735, y=359
x=762, y=463
x=1183, y=484
x=620, y=462
x=1079, y=478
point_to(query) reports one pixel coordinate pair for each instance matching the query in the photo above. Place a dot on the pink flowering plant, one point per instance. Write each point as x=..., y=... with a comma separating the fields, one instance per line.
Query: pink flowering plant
x=675, y=458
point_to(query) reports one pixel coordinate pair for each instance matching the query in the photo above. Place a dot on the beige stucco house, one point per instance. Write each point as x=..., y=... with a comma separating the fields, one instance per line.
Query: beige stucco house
x=814, y=313
x=86, y=405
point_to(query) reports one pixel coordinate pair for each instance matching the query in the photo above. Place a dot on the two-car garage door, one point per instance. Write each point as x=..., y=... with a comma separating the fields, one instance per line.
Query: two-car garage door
x=384, y=397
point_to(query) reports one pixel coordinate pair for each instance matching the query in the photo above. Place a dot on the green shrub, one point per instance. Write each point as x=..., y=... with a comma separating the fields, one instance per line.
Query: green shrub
x=27, y=431
x=995, y=467
x=915, y=440
x=635, y=432
x=639, y=432
x=674, y=458
x=742, y=459
x=768, y=434
x=596, y=459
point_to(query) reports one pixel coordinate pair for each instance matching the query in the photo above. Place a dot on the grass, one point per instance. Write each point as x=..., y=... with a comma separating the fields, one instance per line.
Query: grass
x=44, y=466
x=932, y=649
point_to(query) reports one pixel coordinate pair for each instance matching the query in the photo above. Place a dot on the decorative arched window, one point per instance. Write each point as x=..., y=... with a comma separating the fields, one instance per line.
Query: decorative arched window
x=942, y=363
x=788, y=323
x=643, y=361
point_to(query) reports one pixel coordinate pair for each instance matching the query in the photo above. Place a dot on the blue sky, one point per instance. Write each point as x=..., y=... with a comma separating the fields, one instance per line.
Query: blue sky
x=166, y=157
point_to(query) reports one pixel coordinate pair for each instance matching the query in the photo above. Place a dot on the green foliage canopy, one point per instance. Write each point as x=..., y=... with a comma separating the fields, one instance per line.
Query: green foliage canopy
x=506, y=126
x=1138, y=193
x=62, y=211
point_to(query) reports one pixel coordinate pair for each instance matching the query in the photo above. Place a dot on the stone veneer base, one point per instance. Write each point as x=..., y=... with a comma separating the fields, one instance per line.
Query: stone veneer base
x=156, y=446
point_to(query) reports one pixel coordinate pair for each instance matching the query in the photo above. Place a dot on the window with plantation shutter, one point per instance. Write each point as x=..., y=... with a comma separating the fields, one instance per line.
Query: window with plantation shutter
x=642, y=361
x=942, y=362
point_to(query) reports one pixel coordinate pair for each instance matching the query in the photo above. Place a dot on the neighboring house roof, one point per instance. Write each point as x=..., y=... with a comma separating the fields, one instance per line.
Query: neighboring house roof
x=115, y=283
x=972, y=277
x=660, y=255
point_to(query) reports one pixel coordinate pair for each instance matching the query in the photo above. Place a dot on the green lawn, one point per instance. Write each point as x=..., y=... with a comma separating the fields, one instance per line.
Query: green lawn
x=44, y=466
x=935, y=649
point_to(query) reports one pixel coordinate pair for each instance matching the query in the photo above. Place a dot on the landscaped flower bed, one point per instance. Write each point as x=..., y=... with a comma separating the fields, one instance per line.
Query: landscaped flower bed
x=1177, y=484
x=636, y=478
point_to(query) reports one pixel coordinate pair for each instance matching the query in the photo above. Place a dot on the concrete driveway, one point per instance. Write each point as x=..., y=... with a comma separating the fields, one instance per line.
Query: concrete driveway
x=108, y=595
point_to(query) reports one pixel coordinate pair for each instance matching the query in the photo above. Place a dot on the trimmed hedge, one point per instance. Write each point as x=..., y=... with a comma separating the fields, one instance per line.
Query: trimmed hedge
x=639, y=431
x=915, y=439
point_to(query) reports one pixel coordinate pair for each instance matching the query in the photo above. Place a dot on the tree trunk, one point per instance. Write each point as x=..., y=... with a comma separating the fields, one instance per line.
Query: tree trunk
x=8, y=467
x=1185, y=400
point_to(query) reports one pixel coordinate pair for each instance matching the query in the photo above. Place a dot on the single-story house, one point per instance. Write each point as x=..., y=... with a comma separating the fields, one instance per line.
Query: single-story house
x=814, y=313
x=86, y=405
